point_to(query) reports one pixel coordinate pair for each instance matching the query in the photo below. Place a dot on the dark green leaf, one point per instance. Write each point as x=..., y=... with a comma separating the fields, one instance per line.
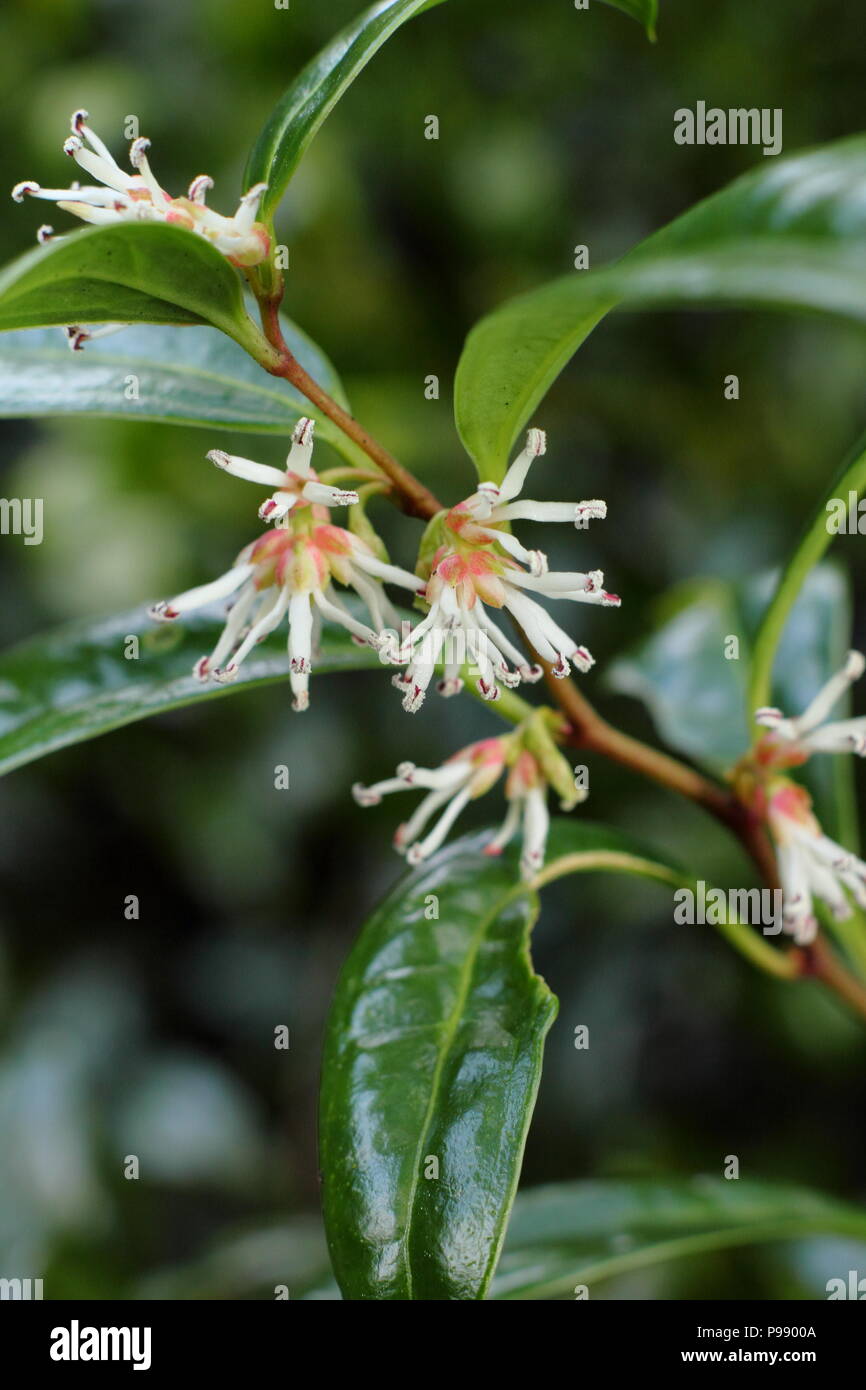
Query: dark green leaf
x=74, y=684
x=433, y=1050
x=585, y=1233
x=698, y=697
x=788, y=235
x=197, y=377
x=314, y=93
x=815, y=642
x=137, y=272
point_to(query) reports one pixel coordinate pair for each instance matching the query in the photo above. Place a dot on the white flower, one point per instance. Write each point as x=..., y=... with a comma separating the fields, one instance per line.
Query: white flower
x=468, y=775
x=811, y=865
x=290, y=571
x=296, y=486
x=808, y=733
x=480, y=566
x=121, y=197
x=465, y=776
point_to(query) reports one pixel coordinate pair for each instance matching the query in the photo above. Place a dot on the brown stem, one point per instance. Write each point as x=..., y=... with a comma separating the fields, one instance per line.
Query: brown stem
x=820, y=963
x=414, y=498
x=587, y=729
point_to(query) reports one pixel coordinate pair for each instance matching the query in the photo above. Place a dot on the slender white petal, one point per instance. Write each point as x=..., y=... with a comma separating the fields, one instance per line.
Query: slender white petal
x=423, y=849
x=268, y=617
x=203, y=594
x=248, y=469
x=512, y=484
x=536, y=823
x=338, y=614
x=328, y=496
x=830, y=693
x=301, y=452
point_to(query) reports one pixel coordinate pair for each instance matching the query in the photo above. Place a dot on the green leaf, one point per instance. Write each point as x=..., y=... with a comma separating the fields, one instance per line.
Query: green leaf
x=68, y=686
x=588, y=1232
x=315, y=92
x=808, y=552
x=646, y=12
x=815, y=642
x=137, y=272
x=577, y=846
x=197, y=377
x=698, y=697
x=433, y=1050
x=788, y=235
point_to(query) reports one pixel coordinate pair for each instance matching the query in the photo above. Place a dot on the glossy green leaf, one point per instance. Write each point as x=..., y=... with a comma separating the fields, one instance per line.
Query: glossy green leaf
x=646, y=12
x=433, y=1050
x=788, y=235
x=585, y=1233
x=136, y=272
x=698, y=697
x=810, y=550
x=197, y=377
x=74, y=684
x=314, y=93
x=814, y=644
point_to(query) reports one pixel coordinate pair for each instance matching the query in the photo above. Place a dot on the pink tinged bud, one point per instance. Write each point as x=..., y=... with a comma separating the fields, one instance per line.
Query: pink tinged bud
x=201, y=669
x=301, y=702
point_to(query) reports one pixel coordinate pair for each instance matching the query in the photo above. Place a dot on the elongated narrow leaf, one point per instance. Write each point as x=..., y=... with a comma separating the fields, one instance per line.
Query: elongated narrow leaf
x=697, y=693
x=80, y=682
x=574, y=1234
x=316, y=90
x=137, y=272
x=789, y=235
x=432, y=1063
x=646, y=12
x=433, y=1052
x=198, y=377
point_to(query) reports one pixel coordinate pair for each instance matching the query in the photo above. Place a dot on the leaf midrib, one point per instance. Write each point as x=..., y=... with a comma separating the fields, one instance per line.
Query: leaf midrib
x=449, y=1033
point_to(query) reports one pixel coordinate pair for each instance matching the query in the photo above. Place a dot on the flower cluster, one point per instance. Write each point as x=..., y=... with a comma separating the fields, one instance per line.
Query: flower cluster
x=290, y=571
x=121, y=197
x=477, y=565
x=811, y=865
x=533, y=764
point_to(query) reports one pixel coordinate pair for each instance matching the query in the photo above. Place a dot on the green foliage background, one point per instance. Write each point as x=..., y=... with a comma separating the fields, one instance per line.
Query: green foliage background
x=154, y=1037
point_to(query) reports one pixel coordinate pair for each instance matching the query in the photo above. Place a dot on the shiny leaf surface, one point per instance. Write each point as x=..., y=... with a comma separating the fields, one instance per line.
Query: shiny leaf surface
x=788, y=235
x=74, y=684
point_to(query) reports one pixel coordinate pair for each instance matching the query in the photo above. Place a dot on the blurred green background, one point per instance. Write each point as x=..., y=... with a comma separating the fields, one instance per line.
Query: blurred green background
x=154, y=1037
